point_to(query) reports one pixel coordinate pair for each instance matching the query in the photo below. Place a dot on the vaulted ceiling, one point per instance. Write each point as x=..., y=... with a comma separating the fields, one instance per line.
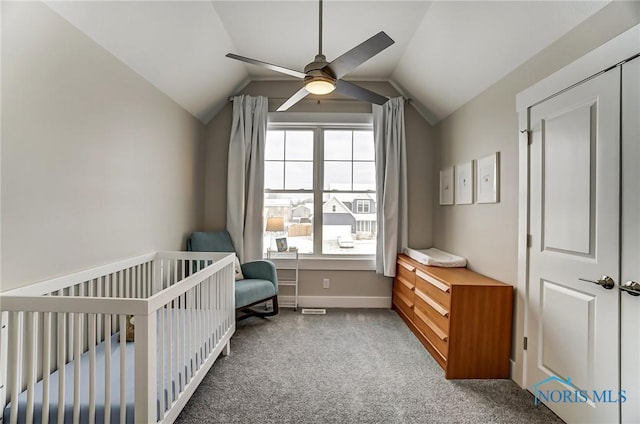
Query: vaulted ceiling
x=445, y=52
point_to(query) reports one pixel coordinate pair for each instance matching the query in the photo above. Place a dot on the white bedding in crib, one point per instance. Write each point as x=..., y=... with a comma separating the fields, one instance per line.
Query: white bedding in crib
x=436, y=257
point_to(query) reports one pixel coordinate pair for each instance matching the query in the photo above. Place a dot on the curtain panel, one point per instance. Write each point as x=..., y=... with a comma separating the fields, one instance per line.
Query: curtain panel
x=245, y=176
x=391, y=180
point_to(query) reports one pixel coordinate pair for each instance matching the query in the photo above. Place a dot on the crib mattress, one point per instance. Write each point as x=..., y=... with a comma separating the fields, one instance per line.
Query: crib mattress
x=175, y=387
x=436, y=257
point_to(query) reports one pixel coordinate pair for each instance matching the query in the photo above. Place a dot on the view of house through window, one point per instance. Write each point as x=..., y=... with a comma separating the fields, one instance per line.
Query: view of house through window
x=327, y=205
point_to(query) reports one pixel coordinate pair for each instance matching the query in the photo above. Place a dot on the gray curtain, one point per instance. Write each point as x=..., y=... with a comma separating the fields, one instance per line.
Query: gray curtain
x=391, y=180
x=245, y=176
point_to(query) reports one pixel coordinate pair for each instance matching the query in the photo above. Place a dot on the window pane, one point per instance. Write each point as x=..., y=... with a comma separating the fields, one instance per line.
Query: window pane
x=364, y=176
x=297, y=211
x=274, y=150
x=363, y=148
x=337, y=175
x=344, y=231
x=299, y=145
x=298, y=175
x=337, y=145
x=273, y=175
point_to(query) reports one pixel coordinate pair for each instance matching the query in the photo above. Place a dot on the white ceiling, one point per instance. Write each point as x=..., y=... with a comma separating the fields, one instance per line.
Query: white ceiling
x=445, y=52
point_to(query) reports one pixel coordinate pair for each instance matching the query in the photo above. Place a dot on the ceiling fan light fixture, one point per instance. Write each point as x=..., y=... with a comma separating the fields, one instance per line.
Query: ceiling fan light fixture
x=319, y=85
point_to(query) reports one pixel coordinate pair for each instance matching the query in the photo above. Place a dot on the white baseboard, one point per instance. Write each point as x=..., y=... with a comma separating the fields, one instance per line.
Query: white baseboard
x=338, y=301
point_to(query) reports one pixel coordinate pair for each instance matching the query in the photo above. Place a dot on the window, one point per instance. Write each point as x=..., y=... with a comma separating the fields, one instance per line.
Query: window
x=363, y=206
x=321, y=180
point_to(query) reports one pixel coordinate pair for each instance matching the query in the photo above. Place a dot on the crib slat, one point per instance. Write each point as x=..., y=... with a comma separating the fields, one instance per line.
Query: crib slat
x=46, y=365
x=175, y=272
x=174, y=347
x=4, y=360
x=99, y=293
x=62, y=336
x=17, y=368
x=123, y=371
x=161, y=361
x=30, y=334
x=170, y=350
x=107, y=369
x=91, y=322
x=77, y=350
x=190, y=347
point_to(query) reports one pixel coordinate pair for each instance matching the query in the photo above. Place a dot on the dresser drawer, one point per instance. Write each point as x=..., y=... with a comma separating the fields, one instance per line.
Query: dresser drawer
x=438, y=338
x=403, y=299
x=435, y=312
x=435, y=289
x=406, y=272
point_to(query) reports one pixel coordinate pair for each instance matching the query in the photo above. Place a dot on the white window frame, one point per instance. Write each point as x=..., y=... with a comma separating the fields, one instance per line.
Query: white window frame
x=318, y=123
x=363, y=203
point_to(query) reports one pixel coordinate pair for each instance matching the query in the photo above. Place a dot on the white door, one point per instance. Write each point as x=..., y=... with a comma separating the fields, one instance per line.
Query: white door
x=630, y=305
x=572, y=359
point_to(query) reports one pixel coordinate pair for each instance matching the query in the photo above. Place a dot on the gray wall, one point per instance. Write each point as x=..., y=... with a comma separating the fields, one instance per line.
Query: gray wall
x=487, y=234
x=97, y=164
x=420, y=142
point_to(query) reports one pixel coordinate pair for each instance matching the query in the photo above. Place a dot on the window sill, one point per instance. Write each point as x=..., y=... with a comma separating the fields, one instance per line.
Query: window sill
x=333, y=263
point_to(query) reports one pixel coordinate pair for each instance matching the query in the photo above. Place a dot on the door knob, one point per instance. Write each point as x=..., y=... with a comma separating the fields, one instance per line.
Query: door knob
x=606, y=282
x=631, y=287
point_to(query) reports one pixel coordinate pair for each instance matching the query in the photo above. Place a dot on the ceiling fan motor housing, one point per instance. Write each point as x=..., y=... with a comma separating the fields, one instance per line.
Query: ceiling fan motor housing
x=318, y=70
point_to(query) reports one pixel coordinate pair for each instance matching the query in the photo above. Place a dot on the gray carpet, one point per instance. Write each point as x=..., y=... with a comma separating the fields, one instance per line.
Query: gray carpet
x=349, y=366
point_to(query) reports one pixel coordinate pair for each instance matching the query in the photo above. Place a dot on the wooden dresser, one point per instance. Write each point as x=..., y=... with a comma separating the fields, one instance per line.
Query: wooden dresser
x=461, y=317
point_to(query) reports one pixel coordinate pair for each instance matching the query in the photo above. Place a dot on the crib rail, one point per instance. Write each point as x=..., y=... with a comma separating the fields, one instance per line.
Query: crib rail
x=183, y=306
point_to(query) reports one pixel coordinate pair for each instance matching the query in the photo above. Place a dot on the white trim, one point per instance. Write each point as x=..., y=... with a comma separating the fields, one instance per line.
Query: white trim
x=383, y=302
x=332, y=263
x=610, y=53
x=614, y=51
x=319, y=118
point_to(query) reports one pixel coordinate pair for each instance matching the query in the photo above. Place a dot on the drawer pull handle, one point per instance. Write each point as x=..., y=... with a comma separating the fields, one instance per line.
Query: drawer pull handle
x=405, y=283
x=435, y=305
x=437, y=284
x=405, y=300
x=406, y=266
x=441, y=335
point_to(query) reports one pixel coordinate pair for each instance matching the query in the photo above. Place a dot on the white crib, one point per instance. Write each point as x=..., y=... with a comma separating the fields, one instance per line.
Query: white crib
x=64, y=358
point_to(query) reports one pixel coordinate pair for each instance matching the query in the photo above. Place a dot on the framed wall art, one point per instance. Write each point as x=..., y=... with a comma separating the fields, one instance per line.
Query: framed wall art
x=488, y=179
x=464, y=183
x=446, y=186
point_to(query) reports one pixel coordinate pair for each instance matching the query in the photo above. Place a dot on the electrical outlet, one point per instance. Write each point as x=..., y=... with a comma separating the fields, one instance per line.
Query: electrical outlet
x=325, y=283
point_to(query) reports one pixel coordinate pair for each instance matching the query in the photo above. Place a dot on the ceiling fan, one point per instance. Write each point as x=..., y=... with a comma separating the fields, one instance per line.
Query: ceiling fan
x=321, y=77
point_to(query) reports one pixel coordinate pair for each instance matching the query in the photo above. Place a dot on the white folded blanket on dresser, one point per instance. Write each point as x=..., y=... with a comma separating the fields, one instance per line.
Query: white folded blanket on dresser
x=436, y=257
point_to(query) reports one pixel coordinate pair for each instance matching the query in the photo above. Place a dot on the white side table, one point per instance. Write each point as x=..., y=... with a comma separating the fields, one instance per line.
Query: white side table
x=287, y=268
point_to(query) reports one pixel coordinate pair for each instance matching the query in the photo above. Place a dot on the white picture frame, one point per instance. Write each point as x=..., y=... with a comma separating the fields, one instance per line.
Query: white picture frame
x=446, y=186
x=488, y=179
x=464, y=183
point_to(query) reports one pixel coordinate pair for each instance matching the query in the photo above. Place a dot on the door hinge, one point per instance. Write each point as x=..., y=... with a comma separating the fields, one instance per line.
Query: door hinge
x=529, y=242
x=529, y=138
x=525, y=343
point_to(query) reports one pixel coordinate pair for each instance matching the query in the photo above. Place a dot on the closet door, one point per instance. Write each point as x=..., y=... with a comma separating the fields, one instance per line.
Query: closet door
x=572, y=329
x=630, y=271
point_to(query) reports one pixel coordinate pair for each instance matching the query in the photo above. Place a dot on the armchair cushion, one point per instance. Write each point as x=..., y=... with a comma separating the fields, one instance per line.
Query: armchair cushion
x=251, y=289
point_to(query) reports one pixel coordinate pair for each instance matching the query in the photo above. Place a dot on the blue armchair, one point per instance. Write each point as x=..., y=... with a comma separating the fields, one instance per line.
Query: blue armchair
x=260, y=283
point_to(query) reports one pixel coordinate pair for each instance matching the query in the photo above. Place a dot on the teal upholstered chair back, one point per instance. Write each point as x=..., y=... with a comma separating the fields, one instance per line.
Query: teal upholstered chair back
x=216, y=241
x=260, y=283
